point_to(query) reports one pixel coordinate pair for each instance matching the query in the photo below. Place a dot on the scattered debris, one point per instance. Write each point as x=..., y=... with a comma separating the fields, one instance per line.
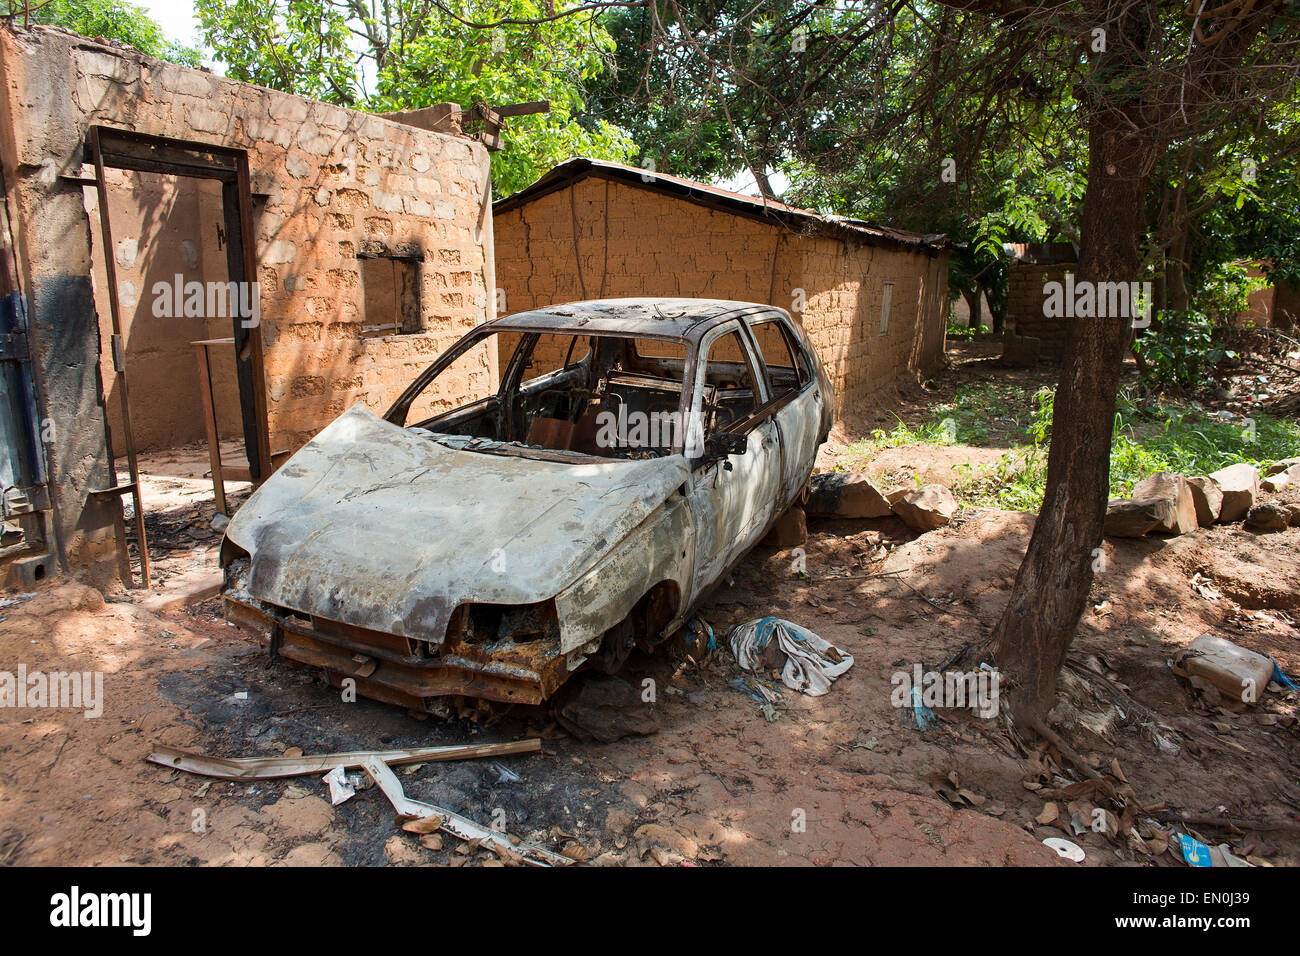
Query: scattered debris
x=1066, y=849
x=270, y=768
x=811, y=664
x=1196, y=853
x=762, y=691
x=341, y=788
x=1238, y=674
x=505, y=774
x=466, y=829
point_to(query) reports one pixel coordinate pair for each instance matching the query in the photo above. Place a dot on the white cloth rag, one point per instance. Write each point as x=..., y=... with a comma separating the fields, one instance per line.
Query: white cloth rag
x=807, y=668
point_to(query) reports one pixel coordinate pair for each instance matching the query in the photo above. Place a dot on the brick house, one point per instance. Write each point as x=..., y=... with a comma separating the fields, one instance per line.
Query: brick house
x=873, y=299
x=368, y=242
x=1030, y=334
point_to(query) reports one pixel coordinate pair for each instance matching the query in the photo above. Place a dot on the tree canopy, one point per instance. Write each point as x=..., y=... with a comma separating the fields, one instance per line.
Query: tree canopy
x=408, y=54
x=110, y=20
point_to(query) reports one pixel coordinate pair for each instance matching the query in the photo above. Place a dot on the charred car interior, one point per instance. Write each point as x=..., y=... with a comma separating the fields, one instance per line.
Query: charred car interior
x=499, y=528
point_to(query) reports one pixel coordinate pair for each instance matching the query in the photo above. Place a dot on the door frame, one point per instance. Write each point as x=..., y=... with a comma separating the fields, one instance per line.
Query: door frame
x=112, y=148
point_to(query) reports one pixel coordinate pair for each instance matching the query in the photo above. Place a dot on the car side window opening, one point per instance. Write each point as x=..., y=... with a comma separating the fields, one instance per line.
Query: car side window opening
x=606, y=396
x=779, y=353
x=729, y=389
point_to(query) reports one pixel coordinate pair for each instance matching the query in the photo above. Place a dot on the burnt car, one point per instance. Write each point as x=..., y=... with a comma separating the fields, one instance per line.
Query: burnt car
x=559, y=487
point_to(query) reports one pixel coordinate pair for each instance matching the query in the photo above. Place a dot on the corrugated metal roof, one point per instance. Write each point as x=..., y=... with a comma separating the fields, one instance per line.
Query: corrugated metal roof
x=803, y=220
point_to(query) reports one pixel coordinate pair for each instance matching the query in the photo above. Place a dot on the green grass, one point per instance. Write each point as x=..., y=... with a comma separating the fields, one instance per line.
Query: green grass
x=1150, y=436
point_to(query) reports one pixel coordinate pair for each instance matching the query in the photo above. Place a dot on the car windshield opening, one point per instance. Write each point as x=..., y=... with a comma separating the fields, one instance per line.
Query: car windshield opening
x=604, y=396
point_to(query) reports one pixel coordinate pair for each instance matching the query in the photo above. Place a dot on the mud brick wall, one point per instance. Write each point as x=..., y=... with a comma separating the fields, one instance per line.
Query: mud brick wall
x=328, y=183
x=637, y=242
x=1025, y=298
x=846, y=289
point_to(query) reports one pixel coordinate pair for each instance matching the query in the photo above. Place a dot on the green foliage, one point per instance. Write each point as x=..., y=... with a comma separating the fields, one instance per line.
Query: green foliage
x=1184, y=345
x=511, y=64
x=112, y=20
x=298, y=46
x=1176, y=351
x=1150, y=436
x=418, y=54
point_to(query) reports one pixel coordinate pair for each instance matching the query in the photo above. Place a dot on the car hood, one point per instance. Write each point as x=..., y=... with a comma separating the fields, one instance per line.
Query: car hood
x=384, y=528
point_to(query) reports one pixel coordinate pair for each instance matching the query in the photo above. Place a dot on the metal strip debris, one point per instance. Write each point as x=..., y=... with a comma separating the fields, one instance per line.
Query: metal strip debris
x=458, y=826
x=270, y=768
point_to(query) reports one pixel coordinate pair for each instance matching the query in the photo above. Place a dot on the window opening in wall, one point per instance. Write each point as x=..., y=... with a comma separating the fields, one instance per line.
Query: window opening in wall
x=390, y=291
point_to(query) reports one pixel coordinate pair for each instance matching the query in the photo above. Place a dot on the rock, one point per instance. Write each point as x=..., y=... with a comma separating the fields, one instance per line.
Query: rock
x=1277, y=480
x=1237, y=673
x=895, y=495
x=842, y=495
x=1207, y=498
x=1294, y=511
x=1240, y=487
x=926, y=508
x=607, y=709
x=1130, y=518
x=790, y=530
x=1177, y=508
x=1286, y=464
x=1268, y=517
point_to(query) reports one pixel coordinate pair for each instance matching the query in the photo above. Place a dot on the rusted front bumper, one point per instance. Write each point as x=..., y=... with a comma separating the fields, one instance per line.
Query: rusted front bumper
x=390, y=668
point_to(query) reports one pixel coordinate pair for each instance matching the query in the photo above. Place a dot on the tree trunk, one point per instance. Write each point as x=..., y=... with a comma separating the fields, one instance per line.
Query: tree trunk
x=972, y=297
x=1051, y=588
x=997, y=310
x=1176, y=259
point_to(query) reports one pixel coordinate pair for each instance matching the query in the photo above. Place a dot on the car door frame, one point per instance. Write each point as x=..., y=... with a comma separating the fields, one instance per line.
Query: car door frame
x=798, y=414
x=763, y=452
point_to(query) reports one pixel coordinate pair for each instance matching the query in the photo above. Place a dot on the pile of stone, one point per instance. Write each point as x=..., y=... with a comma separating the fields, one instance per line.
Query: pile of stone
x=1168, y=503
x=847, y=495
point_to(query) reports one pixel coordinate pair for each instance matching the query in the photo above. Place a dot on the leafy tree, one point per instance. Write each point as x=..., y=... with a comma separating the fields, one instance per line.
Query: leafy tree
x=110, y=20
x=1132, y=79
x=848, y=102
x=408, y=54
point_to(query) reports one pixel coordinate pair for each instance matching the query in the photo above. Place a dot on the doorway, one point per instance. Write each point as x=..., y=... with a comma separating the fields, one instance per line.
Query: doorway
x=182, y=351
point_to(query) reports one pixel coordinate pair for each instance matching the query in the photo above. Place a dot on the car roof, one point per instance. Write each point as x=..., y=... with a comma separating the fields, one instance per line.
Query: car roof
x=684, y=319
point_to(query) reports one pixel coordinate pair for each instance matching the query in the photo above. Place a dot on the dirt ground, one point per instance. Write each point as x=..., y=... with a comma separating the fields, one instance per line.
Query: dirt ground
x=847, y=778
